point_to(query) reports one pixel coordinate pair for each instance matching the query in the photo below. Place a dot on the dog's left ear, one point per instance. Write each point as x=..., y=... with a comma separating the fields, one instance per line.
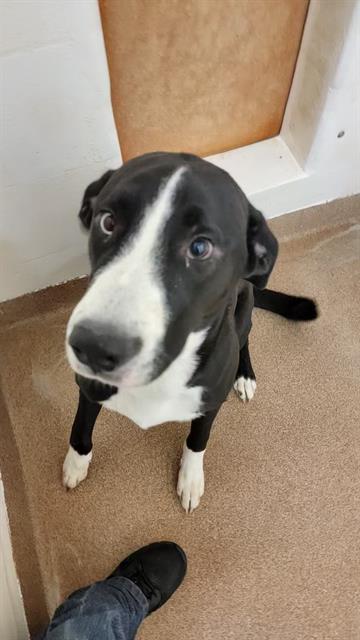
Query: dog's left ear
x=93, y=190
x=262, y=249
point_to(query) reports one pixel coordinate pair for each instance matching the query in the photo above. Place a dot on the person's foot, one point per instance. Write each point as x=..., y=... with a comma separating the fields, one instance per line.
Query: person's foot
x=158, y=570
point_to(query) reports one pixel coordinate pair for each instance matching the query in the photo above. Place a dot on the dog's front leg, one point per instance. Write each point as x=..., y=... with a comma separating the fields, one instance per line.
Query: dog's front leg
x=245, y=381
x=191, y=483
x=78, y=457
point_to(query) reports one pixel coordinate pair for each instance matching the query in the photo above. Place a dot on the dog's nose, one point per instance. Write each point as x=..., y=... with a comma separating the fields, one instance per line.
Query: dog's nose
x=101, y=348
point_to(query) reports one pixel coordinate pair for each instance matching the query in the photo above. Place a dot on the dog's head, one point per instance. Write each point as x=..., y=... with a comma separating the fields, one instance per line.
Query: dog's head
x=171, y=235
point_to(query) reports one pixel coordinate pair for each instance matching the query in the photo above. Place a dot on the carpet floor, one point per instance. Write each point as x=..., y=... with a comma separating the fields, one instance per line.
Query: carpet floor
x=274, y=548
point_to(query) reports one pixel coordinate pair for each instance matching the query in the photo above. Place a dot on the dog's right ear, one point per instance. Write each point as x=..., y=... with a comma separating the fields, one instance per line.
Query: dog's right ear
x=93, y=190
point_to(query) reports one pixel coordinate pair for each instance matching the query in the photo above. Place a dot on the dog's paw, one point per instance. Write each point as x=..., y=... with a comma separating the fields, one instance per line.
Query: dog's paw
x=191, y=482
x=245, y=388
x=75, y=468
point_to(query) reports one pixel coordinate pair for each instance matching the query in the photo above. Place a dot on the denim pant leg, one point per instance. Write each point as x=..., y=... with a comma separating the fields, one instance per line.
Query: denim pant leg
x=108, y=610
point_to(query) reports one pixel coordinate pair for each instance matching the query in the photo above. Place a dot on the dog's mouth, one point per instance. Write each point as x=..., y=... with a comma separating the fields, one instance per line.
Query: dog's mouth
x=94, y=390
x=122, y=378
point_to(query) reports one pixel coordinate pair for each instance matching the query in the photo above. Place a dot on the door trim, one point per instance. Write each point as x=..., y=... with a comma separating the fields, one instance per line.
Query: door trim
x=13, y=624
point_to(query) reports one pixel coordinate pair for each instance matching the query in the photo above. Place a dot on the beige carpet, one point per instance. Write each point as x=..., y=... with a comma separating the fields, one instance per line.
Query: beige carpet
x=274, y=548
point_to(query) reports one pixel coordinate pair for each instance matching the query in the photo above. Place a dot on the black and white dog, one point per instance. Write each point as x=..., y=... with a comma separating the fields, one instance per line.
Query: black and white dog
x=179, y=257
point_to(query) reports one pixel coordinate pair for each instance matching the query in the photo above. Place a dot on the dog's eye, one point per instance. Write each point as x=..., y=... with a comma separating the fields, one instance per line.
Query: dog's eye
x=200, y=248
x=107, y=223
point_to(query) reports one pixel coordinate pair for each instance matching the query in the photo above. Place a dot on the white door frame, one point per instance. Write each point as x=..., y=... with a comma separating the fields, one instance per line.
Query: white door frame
x=13, y=624
x=316, y=156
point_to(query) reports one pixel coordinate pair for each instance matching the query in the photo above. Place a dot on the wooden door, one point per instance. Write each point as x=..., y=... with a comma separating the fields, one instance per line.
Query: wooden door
x=202, y=76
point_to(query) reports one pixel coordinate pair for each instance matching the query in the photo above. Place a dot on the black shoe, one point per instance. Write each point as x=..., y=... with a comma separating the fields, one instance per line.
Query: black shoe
x=158, y=570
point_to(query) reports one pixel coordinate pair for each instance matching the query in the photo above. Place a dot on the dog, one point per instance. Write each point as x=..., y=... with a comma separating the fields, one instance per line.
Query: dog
x=179, y=258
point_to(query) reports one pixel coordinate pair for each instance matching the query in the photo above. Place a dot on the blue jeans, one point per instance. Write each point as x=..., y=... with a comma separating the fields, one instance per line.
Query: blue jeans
x=108, y=610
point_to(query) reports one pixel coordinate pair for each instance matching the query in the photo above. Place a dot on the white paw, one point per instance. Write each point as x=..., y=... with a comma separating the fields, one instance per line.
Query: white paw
x=191, y=482
x=75, y=468
x=245, y=388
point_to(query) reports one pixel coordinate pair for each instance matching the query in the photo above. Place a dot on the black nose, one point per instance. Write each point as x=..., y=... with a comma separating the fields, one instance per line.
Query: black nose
x=101, y=348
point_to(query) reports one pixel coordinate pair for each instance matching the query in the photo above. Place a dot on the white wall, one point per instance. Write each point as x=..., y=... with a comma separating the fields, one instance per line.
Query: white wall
x=57, y=135
x=325, y=34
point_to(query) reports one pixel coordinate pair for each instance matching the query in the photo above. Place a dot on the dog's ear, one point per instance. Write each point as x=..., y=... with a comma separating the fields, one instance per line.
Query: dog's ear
x=262, y=249
x=93, y=190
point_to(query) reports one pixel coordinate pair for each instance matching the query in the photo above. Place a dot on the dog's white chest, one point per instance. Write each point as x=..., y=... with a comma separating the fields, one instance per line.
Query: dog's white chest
x=148, y=409
x=168, y=398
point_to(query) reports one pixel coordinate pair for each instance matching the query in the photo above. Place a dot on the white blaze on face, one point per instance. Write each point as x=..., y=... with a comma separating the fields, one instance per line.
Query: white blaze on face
x=128, y=293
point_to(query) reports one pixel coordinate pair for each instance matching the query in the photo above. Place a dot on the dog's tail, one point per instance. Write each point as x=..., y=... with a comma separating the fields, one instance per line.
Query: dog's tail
x=290, y=307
